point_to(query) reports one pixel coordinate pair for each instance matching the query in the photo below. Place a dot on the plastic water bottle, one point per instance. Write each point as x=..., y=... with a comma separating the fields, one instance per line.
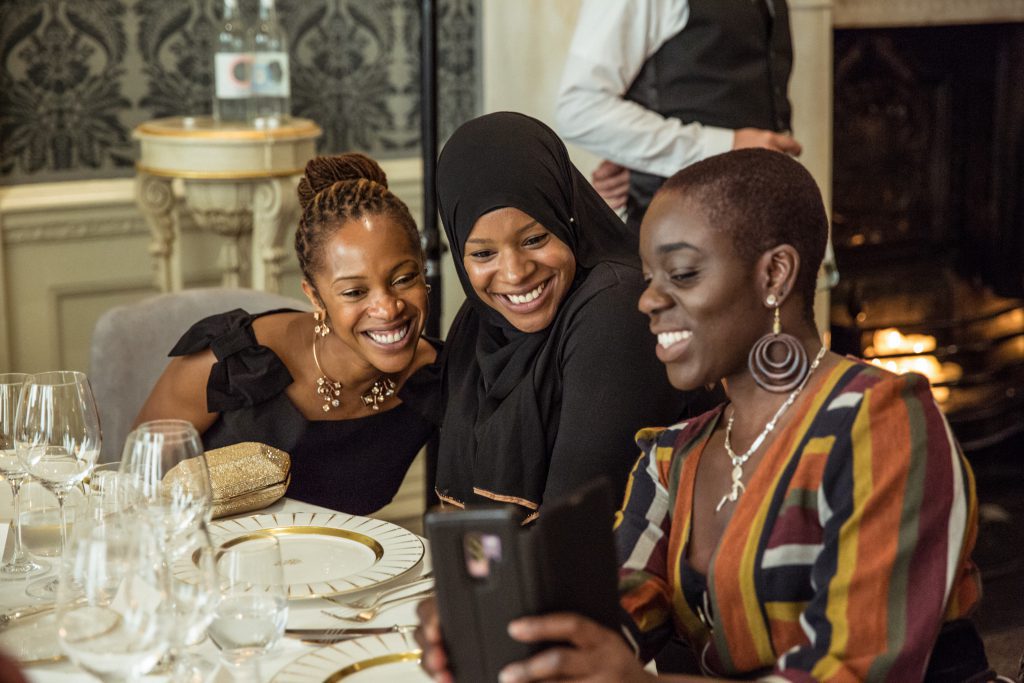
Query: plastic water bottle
x=271, y=84
x=232, y=69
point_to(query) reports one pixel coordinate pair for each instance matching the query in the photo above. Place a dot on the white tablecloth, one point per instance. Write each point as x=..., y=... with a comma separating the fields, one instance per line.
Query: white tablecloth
x=301, y=614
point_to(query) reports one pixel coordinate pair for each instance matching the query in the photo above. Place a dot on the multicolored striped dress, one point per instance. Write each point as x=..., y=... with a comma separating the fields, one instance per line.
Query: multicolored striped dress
x=847, y=552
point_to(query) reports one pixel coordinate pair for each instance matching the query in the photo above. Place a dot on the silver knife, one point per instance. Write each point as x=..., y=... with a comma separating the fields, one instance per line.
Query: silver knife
x=21, y=612
x=334, y=635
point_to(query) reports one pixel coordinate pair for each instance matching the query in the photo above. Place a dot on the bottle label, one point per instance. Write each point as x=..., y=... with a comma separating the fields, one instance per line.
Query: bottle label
x=270, y=74
x=233, y=74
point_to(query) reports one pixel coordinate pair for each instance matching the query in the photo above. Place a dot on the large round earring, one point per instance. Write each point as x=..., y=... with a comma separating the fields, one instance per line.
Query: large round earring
x=786, y=373
x=321, y=327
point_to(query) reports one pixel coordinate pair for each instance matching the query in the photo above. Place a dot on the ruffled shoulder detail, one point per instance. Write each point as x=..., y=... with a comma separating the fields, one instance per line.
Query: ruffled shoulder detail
x=246, y=373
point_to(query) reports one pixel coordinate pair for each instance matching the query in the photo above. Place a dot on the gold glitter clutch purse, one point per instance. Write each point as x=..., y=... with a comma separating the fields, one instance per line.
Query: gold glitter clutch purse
x=247, y=476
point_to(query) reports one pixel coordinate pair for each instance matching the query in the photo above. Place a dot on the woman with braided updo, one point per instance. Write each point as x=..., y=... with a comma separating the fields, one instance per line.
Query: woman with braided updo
x=339, y=389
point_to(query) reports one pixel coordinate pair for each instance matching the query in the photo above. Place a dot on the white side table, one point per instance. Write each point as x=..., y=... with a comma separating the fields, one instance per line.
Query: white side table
x=239, y=182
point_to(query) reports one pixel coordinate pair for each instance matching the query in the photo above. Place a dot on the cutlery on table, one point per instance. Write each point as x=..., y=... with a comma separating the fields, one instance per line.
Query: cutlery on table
x=335, y=635
x=6, y=618
x=372, y=600
x=371, y=614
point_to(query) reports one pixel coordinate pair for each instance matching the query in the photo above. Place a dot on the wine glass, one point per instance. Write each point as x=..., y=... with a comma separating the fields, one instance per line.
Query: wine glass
x=253, y=607
x=20, y=565
x=40, y=519
x=194, y=594
x=165, y=460
x=57, y=439
x=112, y=602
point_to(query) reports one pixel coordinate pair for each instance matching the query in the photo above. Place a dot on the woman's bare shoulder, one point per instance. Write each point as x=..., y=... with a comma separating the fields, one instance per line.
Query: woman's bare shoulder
x=283, y=333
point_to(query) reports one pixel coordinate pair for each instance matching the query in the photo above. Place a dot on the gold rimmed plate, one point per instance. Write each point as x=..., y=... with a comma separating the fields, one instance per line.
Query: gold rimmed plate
x=325, y=553
x=373, y=659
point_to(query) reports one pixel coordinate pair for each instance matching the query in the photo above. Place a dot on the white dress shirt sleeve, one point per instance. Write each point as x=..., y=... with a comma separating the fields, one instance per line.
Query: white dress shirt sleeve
x=612, y=41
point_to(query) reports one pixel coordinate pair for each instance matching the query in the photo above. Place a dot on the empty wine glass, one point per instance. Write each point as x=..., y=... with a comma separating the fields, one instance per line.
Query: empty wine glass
x=165, y=460
x=253, y=607
x=57, y=440
x=112, y=602
x=20, y=565
x=193, y=594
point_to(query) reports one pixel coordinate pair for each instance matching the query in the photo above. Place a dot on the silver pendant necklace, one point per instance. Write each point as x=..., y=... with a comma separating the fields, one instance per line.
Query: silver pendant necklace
x=738, y=461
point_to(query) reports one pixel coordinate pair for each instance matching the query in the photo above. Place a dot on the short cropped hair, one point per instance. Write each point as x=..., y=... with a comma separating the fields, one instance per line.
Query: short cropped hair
x=763, y=199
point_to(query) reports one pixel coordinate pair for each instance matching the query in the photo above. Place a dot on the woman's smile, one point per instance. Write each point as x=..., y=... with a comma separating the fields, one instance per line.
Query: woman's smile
x=392, y=338
x=524, y=300
x=672, y=344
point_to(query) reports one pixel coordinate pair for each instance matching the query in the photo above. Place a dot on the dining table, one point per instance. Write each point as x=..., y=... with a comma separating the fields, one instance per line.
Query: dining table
x=293, y=658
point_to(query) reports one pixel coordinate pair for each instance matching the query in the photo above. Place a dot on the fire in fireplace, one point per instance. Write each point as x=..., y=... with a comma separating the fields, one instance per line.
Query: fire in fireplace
x=928, y=219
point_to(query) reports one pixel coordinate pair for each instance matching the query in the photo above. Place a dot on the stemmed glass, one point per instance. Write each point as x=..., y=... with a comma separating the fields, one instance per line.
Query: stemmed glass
x=165, y=460
x=253, y=607
x=20, y=565
x=57, y=439
x=193, y=595
x=112, y=607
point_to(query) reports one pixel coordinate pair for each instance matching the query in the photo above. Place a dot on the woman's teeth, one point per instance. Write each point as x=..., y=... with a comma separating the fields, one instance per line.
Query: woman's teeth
x=667, y=339
x=390, y=337
x=528, y=297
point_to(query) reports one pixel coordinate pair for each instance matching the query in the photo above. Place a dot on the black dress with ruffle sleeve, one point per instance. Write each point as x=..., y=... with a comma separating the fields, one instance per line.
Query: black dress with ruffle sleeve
x=354, y=465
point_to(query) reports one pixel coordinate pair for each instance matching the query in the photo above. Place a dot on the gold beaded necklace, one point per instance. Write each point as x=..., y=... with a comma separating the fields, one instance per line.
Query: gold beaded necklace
x=329, y=389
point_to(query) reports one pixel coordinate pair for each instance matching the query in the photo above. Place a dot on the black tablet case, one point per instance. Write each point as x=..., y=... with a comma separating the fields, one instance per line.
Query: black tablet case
x=565, y=562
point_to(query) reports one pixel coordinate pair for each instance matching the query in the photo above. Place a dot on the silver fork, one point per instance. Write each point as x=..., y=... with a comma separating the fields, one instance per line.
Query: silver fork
x=365, y=615
x=372, y=600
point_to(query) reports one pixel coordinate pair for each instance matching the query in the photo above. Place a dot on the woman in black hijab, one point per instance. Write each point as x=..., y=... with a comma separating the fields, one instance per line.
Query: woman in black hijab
x=549, y=368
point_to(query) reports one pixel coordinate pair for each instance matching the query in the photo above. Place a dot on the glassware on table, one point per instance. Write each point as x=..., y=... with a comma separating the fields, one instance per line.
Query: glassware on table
x=57, y=440
x=112, y=602
x=253, y=607
x=182, y=501
x=193, y=597
x=111, y=491
x=41, y=521
x=20, y=565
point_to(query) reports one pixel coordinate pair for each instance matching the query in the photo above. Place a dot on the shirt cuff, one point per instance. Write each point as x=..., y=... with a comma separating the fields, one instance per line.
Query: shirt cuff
x=716, y=140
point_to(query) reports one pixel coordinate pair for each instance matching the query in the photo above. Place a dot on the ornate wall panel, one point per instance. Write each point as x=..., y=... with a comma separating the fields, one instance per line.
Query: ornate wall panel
x=77, y=75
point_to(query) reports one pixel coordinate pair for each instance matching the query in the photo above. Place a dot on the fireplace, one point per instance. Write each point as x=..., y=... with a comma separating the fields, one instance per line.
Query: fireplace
x=928, y=213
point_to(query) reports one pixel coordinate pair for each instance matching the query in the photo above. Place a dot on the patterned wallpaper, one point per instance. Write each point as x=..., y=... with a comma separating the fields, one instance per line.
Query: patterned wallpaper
x=77, y=75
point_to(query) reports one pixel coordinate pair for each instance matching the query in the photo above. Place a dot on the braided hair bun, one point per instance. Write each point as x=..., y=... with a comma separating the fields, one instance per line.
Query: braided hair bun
x=324, y=171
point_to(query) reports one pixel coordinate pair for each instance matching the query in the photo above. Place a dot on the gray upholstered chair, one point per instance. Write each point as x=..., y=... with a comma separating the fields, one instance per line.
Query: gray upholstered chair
x=130, y=344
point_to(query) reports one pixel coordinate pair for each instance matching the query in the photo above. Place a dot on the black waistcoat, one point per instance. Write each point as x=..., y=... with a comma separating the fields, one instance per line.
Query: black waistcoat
x=728, y=67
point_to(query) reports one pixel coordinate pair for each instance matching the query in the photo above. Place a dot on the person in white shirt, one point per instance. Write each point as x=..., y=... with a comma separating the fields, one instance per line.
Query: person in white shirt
x=653, y=86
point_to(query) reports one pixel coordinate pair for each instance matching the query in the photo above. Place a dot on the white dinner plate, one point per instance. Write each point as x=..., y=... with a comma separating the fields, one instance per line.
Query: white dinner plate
x=325, y=553
x=374, y=659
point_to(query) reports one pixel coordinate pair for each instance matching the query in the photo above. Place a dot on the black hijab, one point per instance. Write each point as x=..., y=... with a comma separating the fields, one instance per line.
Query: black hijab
x=502, y=387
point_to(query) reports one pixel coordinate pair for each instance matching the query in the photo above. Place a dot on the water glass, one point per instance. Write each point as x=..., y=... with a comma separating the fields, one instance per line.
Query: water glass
x=111, y=491
x=20, y=565
x=112, y=605
x=253, y=607
x=165, y=460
